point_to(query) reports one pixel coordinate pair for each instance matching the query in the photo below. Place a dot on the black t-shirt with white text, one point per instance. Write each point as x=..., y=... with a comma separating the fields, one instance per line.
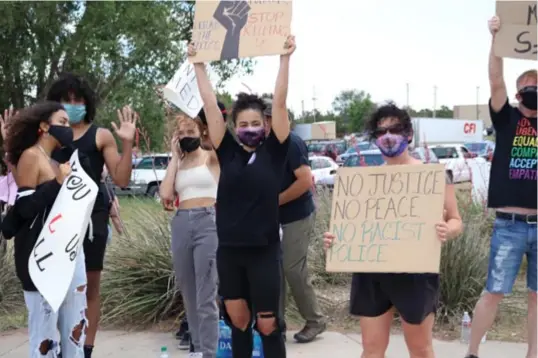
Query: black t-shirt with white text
x=247, y=195
x=512, y=180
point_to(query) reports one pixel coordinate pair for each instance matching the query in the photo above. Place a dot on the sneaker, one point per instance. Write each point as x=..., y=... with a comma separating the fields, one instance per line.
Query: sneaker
x=185, y=342
x=471, y=356
x=310, y=332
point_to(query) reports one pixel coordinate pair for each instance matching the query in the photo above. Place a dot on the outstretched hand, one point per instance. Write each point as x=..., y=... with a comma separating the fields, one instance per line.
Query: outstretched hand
x=127, y=126
x=4, y=121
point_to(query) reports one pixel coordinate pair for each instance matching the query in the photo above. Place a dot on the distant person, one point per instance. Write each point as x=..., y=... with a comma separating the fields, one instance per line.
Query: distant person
x=376, y=296
x=330, y=152
x=512, y=193
x=297, y=218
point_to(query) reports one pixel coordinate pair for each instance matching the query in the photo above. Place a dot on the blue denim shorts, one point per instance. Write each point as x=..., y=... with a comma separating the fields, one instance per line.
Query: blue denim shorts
x=511, y=240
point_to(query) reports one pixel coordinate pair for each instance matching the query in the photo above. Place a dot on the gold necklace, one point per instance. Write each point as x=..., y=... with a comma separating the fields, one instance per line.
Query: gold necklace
x=44, y=152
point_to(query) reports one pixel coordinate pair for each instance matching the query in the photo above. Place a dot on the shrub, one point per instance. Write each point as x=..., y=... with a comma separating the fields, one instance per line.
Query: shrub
x=139, y=282
x=11, y=297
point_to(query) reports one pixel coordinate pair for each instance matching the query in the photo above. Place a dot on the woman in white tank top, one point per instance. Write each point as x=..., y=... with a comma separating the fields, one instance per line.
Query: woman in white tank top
x=193, y=175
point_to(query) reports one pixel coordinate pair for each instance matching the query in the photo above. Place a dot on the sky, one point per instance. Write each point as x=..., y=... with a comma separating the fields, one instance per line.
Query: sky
x=384, y=47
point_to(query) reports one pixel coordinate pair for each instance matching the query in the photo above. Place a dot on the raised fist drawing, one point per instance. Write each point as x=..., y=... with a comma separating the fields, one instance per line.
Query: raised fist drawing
x=233, y=16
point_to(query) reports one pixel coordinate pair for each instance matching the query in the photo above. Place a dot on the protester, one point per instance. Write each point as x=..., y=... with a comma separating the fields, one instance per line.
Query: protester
x=99, y=146
x=193, y=174
x=296, y=214
x=30, y=140
x=512, y=193
x=248, y=256
x=374, y=296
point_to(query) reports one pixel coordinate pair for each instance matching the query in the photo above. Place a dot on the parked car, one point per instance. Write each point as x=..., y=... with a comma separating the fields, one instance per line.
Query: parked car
x=483, y=149
x=146, y=176
x=455, y=157
x=322, y=167
x=360, y=147
x=426, y=155
x=322, y=148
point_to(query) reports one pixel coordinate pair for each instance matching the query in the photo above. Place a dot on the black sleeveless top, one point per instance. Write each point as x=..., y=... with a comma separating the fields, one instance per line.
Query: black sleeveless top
x=87, y=146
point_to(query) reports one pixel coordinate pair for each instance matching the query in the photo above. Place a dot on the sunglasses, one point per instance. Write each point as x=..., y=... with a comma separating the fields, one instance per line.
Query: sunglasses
x=395, y=129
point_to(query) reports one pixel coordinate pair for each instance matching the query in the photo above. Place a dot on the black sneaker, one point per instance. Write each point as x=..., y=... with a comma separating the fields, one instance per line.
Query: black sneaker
x=185, y=342
x=471, y=356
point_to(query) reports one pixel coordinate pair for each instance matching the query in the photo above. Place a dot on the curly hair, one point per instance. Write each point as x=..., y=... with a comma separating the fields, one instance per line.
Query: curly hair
x=22, y=130
x=68, y=85
x=246, y=101
x=389, y=110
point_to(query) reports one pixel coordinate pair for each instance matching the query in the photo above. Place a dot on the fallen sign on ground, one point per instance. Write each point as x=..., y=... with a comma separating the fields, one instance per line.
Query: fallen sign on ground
x=384, y=219
x=517, y=36
x=236, y=29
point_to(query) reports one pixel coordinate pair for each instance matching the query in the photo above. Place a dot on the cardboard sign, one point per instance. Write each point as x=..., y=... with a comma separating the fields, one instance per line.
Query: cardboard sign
x=182, y=91
x=384, y=218
x=235, y=29
x=52, y=261
x=517, y=35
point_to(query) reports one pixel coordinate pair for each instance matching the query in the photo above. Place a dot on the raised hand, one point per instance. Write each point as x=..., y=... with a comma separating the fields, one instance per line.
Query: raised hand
x=289, y=45
x=127, y=129
x=494, y=25
x=4, y=120
x=232, y=15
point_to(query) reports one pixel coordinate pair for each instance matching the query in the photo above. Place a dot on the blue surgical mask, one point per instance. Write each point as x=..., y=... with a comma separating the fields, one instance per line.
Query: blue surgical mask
x=75, y=112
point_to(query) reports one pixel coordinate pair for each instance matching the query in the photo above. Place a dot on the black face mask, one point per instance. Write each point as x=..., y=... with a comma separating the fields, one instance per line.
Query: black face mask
x=528, y=97
x=189, y=144
x=64, y=135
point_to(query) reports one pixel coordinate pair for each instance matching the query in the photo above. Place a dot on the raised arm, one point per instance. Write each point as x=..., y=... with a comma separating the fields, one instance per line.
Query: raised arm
x=495, y=70
x=280, y=122
x=216, y=125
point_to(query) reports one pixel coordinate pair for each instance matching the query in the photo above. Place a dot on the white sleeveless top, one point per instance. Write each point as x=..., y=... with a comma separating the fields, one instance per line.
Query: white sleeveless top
x=194, y=183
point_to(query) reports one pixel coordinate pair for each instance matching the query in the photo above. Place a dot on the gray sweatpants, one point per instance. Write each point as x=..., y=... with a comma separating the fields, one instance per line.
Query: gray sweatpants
x=194, y=249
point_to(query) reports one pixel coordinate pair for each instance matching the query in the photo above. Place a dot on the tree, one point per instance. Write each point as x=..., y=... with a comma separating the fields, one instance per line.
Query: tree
x=124, y=50
x=354, y=107
x=443, y=112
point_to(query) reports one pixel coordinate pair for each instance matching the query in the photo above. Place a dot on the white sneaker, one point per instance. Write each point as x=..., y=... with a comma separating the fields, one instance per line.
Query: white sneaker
x=196, y=355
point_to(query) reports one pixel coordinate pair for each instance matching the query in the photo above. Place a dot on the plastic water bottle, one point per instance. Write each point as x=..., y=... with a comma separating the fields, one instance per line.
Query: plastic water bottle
x=257, y=352
x=465, y=328
x=164, y=352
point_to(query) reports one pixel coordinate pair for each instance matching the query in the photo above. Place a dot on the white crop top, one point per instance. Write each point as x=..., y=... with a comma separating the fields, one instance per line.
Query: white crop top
x=197, y=182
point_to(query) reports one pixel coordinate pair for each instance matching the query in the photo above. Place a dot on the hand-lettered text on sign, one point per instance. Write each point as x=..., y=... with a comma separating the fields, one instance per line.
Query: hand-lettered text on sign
x=517, y=35
x=384, y=218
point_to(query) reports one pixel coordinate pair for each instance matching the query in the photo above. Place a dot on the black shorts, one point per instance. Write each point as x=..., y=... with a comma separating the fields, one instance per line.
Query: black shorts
x=415, y=296
x=252, y=274
x=94, y=250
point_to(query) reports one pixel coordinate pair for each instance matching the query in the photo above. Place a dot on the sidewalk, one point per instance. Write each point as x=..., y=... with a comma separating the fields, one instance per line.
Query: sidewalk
x=120, y=344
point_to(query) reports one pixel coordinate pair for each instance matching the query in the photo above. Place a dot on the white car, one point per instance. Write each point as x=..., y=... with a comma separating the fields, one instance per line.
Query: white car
x=456, y=158
x=322, y=168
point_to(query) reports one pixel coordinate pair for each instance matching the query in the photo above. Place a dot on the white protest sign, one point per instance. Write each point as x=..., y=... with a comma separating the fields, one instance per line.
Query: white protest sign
x=52, y=261
x=182, y=90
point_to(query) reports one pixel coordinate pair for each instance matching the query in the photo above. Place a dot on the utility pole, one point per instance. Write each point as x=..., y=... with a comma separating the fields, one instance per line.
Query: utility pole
x=477, y=102
x=434, y=101
x=314, y=102
x=302, y=108
x=407, y=94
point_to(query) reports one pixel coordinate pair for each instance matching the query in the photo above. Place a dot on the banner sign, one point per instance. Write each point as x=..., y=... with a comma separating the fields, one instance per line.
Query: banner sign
x=182, y=91
x=52, y=261
x=517, y=36
x=228, y=29
x=384, y=218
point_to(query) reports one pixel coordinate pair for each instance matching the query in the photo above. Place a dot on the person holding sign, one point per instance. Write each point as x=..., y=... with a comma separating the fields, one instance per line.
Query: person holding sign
x=31, y=138
x=193, y=174
x=375, y=296
x=99, y=147
x=512, y=193
x=248, y=256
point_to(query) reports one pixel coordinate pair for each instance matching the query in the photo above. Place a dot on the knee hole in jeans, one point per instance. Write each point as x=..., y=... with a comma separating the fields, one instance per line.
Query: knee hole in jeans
x=79, y=330
x=46, y=346
x=266, y=323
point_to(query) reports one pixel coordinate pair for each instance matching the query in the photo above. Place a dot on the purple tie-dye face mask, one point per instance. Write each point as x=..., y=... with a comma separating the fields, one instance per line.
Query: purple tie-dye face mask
x=391, y=145
x=251, y=137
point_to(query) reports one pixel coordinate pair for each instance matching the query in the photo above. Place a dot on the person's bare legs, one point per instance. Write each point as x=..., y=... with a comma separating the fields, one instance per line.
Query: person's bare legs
x=93, y=313
x=531, y=326
x=483, y=318
x=418, y=338
x=375, y=333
